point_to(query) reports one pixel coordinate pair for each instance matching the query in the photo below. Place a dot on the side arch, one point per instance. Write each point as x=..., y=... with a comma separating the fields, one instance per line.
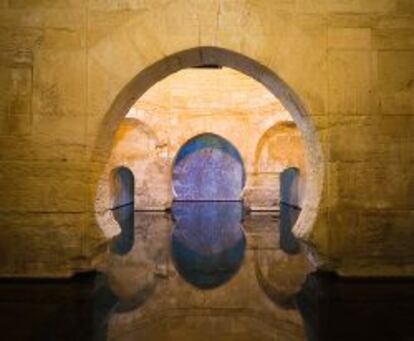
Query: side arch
x=287, y=127
x=279, y=148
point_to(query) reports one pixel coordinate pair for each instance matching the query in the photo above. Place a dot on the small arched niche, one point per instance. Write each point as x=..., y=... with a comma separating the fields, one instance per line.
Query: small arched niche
x=121, y=187
x=290, y=187
x=281, y=147
x=208, y=168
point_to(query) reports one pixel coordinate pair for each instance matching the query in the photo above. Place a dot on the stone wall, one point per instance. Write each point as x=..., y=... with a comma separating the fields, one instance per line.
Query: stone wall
x=71, y=69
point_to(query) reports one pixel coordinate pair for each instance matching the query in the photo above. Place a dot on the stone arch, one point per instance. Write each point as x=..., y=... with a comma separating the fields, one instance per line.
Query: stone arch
x=272, y=132
x=133, y=132
x=280, y=147
x=137, y=147
x=208, y=167
x=204, y=55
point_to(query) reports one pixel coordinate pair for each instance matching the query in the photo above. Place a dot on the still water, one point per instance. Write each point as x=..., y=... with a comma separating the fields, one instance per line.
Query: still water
x=207, y=271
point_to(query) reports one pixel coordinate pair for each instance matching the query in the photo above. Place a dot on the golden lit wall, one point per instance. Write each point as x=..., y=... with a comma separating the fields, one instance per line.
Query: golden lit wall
x=65, y=81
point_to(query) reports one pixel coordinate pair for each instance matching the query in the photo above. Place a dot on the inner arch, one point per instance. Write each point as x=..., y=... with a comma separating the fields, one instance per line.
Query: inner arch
x=208, y=168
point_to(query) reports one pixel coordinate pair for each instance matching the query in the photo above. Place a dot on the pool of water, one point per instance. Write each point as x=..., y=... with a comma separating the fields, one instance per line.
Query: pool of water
x=207, y=271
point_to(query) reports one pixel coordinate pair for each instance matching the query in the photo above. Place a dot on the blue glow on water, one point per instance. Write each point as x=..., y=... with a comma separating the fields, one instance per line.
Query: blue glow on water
x=124, y=242
x=288, y=216
x=208, y=242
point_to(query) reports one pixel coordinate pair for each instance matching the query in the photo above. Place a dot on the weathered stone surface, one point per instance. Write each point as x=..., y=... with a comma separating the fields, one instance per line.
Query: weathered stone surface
x=64, y=102
x=395, y=82
x=350, y=82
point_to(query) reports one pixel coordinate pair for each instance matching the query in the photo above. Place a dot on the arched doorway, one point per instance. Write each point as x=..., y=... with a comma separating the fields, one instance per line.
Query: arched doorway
x=122, y=187
x=208, y=168
x=206, y=55
x=290, y=187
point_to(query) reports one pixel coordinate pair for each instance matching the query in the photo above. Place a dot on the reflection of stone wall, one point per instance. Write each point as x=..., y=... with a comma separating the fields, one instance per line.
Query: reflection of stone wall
x=195, y=101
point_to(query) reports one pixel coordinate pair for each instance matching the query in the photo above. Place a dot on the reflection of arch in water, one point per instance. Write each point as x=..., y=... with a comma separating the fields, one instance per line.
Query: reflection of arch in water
x=124, y=242
x=208, y=168
x=122, y=186
x=208, y=242
x=279, y=285
x=107, y=303
x=288, y=216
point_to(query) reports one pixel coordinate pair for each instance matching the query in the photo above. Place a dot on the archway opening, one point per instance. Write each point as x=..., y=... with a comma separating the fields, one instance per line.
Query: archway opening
x=216, y=56
x=122, y=187
x=200, y=140
x=208, y=168
x=290, y=191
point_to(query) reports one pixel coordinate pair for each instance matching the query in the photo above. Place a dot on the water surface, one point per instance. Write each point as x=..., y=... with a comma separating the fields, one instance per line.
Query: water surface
x=207, y=271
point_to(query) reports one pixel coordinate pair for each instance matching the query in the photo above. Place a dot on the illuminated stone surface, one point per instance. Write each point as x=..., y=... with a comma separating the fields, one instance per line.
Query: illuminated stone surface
x=67, y=81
